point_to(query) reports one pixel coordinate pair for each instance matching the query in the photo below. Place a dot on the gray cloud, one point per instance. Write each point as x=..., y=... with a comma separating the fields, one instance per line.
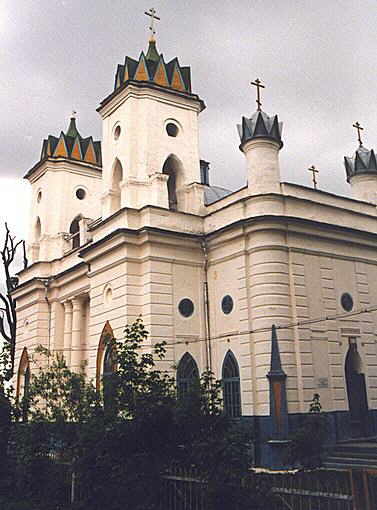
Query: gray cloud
x=317, y=59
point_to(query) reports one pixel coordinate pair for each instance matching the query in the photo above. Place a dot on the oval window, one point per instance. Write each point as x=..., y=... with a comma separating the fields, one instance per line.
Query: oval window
x=186, y=307
x=80, y=193
x=346, y=301
x=227, y=304
x=172, y=129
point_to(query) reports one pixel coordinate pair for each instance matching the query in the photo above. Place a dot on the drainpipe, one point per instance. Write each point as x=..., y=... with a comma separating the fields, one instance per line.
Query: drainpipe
x=206, y=308
x=46, y=283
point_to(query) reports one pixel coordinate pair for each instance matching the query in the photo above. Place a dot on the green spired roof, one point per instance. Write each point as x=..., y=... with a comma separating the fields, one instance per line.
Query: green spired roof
x=72, y=129
x=152, y=53
x=151, y=67
x=71, y=145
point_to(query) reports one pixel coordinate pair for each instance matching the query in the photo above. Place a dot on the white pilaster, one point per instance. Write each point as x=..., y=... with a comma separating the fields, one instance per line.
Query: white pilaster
x=67, y=331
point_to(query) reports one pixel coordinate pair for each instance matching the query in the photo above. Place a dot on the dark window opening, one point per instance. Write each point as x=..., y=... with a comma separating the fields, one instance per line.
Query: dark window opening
x=346, y=302
x=109, y=366
x=186, y=307
x=74, y=230
x=231, y=386
x=170, y=169
x=172, y=129
x=227, y=304
x=80, y=194
x=187, y=375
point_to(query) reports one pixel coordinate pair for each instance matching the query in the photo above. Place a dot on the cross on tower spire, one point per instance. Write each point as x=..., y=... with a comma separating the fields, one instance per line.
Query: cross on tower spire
x=152, y=13
x=258, y=84
x=314, y=171
x=359, y=128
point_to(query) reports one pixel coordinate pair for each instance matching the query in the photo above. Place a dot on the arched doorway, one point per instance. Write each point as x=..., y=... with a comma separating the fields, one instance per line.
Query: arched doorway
x=172, y=168
x=356, y=390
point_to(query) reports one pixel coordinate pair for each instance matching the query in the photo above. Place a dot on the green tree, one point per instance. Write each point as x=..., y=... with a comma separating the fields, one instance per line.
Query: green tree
x=122, y=441
x=307, y=441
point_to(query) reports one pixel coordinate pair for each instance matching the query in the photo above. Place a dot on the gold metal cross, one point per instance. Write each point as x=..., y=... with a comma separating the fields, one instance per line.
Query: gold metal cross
x=359, y=128
x=257, y=83
x=152, y=13
x=314, y=171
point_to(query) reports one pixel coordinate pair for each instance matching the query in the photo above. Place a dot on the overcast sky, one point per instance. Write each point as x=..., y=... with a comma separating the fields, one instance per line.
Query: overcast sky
x=318, y=60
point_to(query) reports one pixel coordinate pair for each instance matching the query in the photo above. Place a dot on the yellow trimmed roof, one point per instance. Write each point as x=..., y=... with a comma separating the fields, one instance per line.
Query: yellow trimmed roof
x=152, y=68
x=72, y=145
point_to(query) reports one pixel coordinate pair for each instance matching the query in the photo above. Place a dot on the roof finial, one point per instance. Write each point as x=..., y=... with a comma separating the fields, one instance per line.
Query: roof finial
x=359, y=128
x=314, y=171
x=73, y=114
x=152, y=13
x=258, y=84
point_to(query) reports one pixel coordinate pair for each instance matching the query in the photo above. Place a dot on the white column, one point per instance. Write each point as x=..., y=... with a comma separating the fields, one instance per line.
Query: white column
x=76, y=352
x=67, y=331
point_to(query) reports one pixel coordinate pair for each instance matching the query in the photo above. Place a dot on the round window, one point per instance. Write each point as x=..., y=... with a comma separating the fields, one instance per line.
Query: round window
x=39, y=196
x=172, y=129
x=227, y=304
x=80, y=193
x=346, y=301
x=117, y=132
x=186, y=307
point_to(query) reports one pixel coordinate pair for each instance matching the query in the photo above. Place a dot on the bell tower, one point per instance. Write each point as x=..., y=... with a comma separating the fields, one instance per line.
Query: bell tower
x=66, y=185
x=150, y=135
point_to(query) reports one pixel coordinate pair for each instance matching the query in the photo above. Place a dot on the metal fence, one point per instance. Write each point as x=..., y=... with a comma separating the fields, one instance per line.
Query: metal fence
x=320, y=489
x=314, y=490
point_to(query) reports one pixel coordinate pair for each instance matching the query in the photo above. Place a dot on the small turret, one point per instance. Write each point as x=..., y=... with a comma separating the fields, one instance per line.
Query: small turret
x=361, y=171
x=260, y=142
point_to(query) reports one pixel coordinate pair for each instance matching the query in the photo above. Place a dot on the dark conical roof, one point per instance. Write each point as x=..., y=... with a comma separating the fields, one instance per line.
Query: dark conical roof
x=260, y=125
x=72, y=129
x=152, y=53
x=276, y=370
x=362, y=162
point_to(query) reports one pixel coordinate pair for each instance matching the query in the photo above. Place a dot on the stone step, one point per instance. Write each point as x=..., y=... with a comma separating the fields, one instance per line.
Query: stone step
x=353, y=453
x=333, y=461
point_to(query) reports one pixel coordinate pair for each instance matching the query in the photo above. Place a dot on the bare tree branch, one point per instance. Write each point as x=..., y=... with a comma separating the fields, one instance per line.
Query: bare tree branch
x=8, y=254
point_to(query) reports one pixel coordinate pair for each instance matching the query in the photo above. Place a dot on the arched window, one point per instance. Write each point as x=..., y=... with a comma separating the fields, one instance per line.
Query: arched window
x=74, y=230
x=172, y=168
x=37, y=230
x=231, y=386
x=103, y=355
x=117, y=178
x=37, y=239
x=187, y=374
x=109, y=365
x=23, y=383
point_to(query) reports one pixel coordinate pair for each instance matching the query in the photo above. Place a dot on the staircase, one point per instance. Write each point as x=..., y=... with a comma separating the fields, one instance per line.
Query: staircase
x=352, y=454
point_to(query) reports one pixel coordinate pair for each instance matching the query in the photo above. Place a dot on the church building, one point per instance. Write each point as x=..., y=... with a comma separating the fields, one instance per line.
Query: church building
x=273, y=287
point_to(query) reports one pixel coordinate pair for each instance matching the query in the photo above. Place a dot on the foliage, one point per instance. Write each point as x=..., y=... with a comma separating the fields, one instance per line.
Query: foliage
x=57, y=394
x=307, y=442
x=119, y=444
